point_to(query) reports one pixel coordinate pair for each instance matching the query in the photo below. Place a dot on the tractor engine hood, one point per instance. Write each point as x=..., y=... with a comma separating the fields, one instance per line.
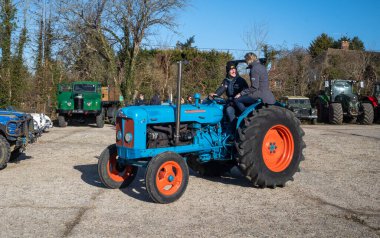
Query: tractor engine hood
x=210, y=114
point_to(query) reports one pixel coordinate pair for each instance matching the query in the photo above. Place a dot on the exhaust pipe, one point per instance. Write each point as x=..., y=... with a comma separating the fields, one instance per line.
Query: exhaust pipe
x=178, y=106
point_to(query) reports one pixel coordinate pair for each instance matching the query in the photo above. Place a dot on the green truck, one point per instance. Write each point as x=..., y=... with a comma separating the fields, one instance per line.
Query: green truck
x=87, y=101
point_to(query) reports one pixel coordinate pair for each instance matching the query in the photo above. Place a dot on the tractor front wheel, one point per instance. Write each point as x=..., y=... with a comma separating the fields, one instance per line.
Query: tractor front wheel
x=166, y=178
x=61, y=121
x=335, y=113
x=100, y=120
x=269, y=146
x=5, y=152
x=367, y=115
x=111, y=172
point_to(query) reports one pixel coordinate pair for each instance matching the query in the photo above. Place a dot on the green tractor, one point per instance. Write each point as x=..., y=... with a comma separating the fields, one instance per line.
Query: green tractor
x=338, y=103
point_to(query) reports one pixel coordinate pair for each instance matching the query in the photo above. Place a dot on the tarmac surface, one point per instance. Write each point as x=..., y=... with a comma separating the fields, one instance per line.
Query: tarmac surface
x=55, y=191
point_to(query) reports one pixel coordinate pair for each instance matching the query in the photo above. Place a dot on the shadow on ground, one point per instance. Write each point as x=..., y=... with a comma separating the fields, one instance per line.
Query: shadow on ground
x=137, y=188
x=234, y=177
x=21, y=157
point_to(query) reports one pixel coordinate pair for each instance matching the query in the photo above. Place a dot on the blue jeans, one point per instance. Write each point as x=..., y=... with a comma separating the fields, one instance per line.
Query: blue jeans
x=242, y=101
x=230, y=111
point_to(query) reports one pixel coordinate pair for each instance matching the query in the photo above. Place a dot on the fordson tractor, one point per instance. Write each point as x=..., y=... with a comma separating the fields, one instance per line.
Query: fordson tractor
x=16, y=131
x=266, y=144
x=339, y=102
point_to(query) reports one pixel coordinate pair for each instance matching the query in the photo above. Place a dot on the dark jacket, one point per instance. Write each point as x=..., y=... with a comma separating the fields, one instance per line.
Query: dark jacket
x=259, y=84
x=232, y=87
x=139, y=102
x=155, y=100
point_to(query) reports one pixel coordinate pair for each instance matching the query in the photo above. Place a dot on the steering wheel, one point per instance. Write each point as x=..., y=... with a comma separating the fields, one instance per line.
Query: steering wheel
x=216, y=99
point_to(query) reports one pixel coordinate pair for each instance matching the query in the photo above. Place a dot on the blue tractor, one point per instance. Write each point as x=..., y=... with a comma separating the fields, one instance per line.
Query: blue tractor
x=16, y=131
x=266, y=144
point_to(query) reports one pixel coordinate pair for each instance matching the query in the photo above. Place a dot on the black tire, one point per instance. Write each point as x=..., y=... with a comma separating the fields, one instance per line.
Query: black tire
x=322, y=112
x=313, y=121
x=61, y=121
x=367, y=115
x=166, y=178
x=5, y=152
x=335, y=113
x=111, y=173
x=212, y=168
x=100, y=120
x=252, y=156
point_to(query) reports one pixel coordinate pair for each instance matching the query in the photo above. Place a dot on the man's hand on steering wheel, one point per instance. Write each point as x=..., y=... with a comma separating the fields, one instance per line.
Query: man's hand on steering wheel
x=211, y=96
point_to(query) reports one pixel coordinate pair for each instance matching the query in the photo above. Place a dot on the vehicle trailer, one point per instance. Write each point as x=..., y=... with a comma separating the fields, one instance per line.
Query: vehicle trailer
x=82, y=101
x=265, y=143
x=16, y=131
x=338, y=103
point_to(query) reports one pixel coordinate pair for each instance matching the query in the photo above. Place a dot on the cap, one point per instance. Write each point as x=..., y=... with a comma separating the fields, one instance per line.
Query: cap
x=230, y=65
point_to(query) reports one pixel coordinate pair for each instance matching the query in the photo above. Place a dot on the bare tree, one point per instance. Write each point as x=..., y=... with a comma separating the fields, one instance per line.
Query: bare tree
x=255, y=38
x=85, y=46
x=130, y=22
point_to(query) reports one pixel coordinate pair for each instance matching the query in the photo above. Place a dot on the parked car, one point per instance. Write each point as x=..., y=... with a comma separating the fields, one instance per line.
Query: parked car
x=301, y=107
x=42, y=122
x=16, y=131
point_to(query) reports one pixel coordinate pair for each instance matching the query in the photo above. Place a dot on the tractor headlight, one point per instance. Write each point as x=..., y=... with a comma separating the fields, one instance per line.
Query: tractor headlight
x=128, y=137
x=68, y=104
x=89, y=103
x=119, y=135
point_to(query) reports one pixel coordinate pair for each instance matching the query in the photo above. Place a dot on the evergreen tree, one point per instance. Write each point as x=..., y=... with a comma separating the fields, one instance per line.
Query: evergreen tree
x=7, y=25
x=320, y=44
x=357, y=44
x=19, y=70
x=187, y=44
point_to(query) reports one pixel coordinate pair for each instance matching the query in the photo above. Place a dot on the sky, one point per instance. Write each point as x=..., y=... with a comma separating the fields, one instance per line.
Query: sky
x=222, y=24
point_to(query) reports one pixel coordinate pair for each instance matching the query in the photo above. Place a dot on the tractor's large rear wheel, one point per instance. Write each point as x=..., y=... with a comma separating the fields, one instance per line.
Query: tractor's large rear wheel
x=212, y=168
x=367, y=115
x=335, y=113
x=269, y=146
x=166, y=178
x=5, y=152
x=111, y=172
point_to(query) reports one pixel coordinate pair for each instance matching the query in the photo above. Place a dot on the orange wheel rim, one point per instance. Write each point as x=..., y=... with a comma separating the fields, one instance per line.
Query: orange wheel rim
x=278, y=148
x=169, y=178
x=114, y=173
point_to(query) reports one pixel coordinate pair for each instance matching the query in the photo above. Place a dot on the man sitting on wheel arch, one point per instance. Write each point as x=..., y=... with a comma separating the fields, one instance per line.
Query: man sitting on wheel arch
x=232, y=85
x=259, y=85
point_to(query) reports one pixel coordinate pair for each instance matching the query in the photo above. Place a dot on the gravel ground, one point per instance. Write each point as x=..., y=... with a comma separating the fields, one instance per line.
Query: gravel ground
x=54, y=191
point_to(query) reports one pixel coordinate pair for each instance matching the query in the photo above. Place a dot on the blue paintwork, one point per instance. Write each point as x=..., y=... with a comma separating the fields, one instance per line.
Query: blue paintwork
x=156, y=114
x=210, y=141
x=247, y=112
x=11, y=123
